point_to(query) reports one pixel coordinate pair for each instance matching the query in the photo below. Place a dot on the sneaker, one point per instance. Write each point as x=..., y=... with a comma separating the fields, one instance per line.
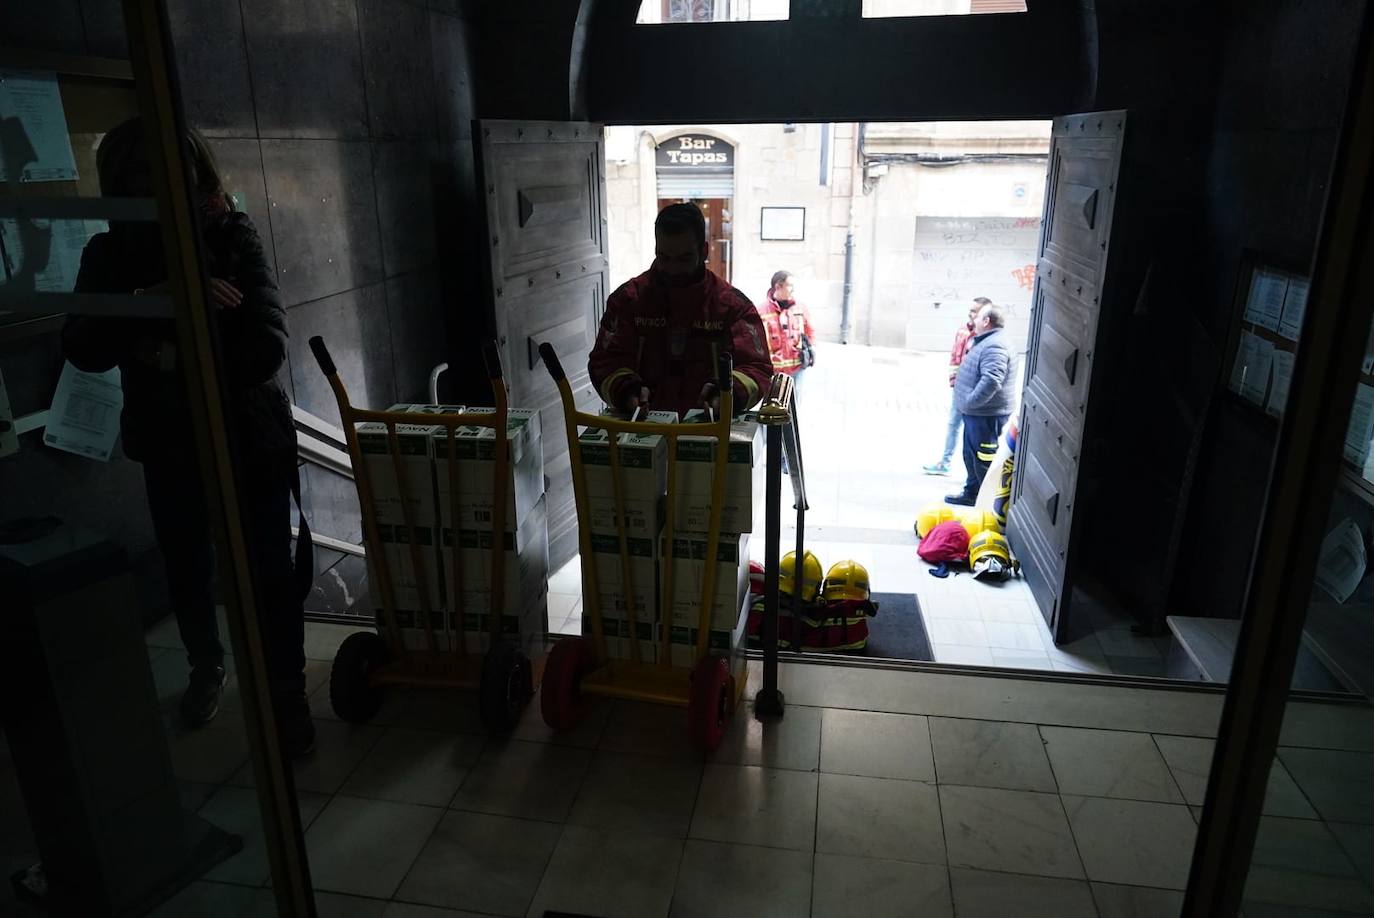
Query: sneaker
x=295, y=729
x=200, y=704
x=937, y=468
x=961, y=499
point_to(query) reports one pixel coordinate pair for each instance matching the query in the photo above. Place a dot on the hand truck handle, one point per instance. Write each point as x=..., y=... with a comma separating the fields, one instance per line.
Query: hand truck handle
x=550, y=358
x=725, y=369
x=322, y=356
x=491, y=356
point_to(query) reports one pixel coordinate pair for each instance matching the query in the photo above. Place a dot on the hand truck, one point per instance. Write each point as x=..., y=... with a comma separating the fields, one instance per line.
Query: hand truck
x=711, y=688
x=369, y=661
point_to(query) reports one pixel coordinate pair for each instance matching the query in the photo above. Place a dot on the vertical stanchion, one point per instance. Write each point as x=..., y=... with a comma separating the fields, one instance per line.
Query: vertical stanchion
x=768, y=703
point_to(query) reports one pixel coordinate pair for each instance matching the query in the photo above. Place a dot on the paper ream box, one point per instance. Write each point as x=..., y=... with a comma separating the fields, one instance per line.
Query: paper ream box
x=528, y=629
x=689, y=571
x=731, y=643
x=384, y=473
x=695, y=473
x=475, y=449
x=643, y=474
x=526, y=567
x=618, y=643
x=613, y=592
x=406, y=585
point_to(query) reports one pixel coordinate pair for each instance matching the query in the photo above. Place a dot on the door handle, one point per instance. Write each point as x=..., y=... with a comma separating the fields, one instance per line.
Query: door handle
x=1071, y=366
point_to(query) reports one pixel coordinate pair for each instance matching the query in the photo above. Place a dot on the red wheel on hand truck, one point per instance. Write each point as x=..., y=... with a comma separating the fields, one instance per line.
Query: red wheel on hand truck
x=708, y=708
x=560, y=696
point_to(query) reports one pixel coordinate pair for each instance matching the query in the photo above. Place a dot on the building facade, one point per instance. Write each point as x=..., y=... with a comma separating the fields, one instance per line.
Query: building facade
x=912, y=220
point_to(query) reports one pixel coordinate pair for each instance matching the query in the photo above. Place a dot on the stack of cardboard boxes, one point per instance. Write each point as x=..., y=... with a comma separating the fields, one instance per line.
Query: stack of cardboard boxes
x=461, y=604
x=644, y=481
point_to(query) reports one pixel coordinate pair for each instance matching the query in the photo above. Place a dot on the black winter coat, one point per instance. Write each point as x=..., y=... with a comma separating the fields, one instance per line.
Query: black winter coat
x=156, y=422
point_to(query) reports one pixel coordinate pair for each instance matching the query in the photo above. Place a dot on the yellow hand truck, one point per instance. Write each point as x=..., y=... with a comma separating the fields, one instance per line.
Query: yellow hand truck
x=369, y=661
x=711, y=688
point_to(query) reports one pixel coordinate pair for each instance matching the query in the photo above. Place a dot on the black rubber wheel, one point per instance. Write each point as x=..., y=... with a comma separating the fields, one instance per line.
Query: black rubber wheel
x=351, y=692
x=507, y=685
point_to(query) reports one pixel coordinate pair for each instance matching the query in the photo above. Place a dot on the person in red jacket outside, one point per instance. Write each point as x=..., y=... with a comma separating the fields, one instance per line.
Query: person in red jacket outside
x=662, y=331
x=787, y=323
x=963, y=338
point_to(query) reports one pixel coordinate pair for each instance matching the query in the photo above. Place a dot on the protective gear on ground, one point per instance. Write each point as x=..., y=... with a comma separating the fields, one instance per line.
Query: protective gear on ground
x=839, y=625
x=756, y=573
x=932, y=516
x=946, y=542
x=846, y=580
x=990, y=555
x=976, y=521
x=811, y=576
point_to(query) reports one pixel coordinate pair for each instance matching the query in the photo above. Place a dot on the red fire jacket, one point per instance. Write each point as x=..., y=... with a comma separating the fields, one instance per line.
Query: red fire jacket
x=785, y=328
x=668, y=338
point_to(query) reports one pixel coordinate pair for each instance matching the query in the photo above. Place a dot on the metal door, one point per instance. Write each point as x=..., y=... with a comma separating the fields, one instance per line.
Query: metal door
x=546, y=233
x=1085, y=158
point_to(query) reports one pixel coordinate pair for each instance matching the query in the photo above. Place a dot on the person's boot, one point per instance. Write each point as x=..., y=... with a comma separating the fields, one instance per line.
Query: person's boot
x=295, y=729
x=200, y=704
x=961, y=499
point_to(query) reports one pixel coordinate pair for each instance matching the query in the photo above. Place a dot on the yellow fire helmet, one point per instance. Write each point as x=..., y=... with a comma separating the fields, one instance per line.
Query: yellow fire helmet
x=978, y=521
x=811, y=575
x=846, y=580
x=989, y=555
x=932, y=516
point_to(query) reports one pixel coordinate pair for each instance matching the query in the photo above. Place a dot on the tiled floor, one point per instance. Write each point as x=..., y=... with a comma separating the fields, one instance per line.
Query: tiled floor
x=862, y=505
x=880, y=793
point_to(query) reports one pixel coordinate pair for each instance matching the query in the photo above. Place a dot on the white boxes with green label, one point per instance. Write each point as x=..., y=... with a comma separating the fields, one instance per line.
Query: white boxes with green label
x=613, y=592
x=643, y=476
x=475, y=449
x=525, y=576
x=696, y=466
x=384, y=474
x=689, y=574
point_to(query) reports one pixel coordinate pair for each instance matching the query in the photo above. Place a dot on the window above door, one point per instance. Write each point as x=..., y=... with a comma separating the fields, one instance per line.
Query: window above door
x=672, y=12
x=879, y=9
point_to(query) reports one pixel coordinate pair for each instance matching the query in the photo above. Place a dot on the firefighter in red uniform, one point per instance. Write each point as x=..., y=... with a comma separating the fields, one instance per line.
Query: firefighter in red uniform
x=788, y=325
x=662, y=331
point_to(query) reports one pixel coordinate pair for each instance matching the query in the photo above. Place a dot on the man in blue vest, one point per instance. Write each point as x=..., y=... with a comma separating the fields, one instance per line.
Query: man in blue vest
x=983, y=392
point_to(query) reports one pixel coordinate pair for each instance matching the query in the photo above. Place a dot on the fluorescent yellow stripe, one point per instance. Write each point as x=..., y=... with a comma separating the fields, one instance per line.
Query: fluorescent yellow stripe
x=608, y=384
x=751, y=389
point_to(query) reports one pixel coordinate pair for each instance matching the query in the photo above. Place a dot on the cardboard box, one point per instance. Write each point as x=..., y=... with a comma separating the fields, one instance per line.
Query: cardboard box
x=415, y=465
x=405, y=584
x=475, y=449
x=643, y=474
x=729, y=643
x=689, y=571
x=614, y=595
x=696, y=470
x=526, y=576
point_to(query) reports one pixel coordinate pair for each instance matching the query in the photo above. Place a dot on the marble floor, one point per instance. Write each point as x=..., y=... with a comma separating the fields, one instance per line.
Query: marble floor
x=881, y=792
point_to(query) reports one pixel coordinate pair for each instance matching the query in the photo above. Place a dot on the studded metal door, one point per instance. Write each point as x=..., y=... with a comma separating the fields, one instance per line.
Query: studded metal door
x=546, y=223
x=1067, y=304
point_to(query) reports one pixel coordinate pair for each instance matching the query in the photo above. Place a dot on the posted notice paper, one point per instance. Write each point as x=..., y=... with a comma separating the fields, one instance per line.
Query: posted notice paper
x=1294, y=306
x=41, y=150
x=1283, y=376
x=1264, y=306
x=1361, y=427
x=84, y=418
x=1250, y=372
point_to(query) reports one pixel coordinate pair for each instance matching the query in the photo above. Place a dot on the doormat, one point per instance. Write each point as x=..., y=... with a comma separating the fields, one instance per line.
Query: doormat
x=898, y=632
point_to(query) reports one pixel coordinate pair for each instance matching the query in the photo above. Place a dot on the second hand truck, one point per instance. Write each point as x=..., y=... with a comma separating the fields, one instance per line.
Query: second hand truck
x=368, y=661
x=711, y=688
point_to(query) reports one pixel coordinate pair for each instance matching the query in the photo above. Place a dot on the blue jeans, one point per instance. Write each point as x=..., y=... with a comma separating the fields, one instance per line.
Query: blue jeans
x=956, y=420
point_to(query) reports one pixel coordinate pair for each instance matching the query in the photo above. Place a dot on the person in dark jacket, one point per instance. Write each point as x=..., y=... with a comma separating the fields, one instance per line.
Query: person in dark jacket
x=983, y=391
x=156, y=425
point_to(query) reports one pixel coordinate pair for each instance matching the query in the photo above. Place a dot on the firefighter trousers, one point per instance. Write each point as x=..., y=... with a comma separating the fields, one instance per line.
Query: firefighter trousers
x=980, y=448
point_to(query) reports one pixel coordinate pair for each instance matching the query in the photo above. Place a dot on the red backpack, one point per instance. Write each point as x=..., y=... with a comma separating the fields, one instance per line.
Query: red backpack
x=946, y=542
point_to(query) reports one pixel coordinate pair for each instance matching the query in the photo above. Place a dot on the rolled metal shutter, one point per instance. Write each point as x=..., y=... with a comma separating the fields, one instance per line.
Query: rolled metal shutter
x=702, y=184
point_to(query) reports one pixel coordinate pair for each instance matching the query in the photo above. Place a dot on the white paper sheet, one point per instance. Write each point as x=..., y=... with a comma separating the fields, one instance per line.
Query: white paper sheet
x=1368, y=366
x=1294, y=306
x=45, y=255
x=9, y=437
x=1361, y=427
x=1257, y=374
x=1283, y=377
x=1245, y=355
x=84, y=418
x=1264, y=306
x=1342, y=562
x=33, y=102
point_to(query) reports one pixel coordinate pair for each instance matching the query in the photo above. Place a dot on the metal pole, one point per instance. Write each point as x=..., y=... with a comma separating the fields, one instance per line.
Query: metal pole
x=768, y=703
